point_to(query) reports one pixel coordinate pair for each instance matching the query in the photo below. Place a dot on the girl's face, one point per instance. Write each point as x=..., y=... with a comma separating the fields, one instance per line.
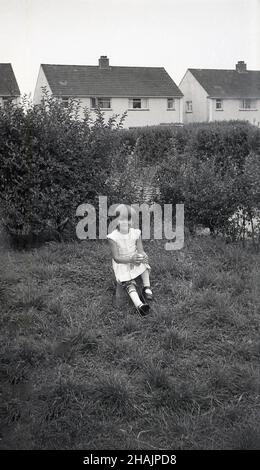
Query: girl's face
x=124, y=224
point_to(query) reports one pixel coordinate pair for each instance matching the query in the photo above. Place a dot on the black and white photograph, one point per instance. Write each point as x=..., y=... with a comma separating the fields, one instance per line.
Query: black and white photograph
x=129, y=230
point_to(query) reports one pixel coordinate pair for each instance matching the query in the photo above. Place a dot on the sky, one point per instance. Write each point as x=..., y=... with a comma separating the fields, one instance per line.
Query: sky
x=175, y=34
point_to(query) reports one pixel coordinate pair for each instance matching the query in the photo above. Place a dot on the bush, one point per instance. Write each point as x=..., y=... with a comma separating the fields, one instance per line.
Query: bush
x=231, y=141
x=209, y=197
x=210, y=167
x=246, y=222
x=50, y=162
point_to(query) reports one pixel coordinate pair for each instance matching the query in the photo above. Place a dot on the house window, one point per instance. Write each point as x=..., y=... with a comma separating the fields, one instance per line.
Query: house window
x=188, y=106
x=219, y=104
x=102, y=103
x=171, y=103
x=6, y=101
x=247, y=104
x=65, y=102
x=138, y=103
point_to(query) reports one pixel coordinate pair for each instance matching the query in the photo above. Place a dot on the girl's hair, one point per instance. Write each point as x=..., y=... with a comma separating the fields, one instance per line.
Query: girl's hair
x=125, y=209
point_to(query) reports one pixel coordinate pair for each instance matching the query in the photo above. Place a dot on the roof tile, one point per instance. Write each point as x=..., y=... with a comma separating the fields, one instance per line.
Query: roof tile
x=229, y=83
x=85, y=80
x=8, y=83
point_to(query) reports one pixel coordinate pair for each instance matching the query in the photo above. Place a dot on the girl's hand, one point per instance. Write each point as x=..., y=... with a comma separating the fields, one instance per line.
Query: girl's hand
x=143, y=257
x=137, y=259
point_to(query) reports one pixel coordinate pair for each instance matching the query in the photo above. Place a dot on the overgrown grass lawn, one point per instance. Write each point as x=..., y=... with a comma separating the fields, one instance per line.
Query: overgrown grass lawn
x=78, y=373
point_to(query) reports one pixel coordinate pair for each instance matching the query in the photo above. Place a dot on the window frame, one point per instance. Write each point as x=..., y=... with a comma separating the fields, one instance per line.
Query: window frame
x=97, y=100
x=219, y=100
x=93, y=101
x=65, y=102
x=6, y=100
x=173, y=107
x=252, y=103
x=104, y=99
x=188, y=107
x=136, y=101
x=143, y=101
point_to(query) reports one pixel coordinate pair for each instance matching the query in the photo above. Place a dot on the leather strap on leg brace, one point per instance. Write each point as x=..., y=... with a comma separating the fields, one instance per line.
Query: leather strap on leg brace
x=131, y=287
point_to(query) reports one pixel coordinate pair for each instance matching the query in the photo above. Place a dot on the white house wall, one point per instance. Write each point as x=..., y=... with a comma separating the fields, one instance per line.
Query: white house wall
x=231, y=110
x=156, y=114
x=194, y=92
x=41, y=82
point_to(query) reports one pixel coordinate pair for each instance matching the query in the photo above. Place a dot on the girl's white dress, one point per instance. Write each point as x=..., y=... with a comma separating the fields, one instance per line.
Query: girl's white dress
x=127, y=247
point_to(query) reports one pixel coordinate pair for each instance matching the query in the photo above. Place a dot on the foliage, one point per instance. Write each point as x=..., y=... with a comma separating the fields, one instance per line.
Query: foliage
x=210, y=167
x=209, y=197
x=50, y=162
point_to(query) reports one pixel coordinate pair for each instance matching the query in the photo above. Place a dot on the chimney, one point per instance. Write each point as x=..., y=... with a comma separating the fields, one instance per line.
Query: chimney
x=241, y=66
x=103, y=62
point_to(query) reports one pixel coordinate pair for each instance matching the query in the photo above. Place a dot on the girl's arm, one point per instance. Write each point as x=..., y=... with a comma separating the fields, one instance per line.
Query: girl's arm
x=120, y=259
x=140, y=248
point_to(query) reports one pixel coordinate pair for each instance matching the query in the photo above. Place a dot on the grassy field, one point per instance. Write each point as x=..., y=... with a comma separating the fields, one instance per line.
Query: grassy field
x=77, y=373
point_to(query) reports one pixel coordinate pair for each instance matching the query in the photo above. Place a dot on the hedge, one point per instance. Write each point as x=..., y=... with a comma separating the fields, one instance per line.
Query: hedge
x=51, y=162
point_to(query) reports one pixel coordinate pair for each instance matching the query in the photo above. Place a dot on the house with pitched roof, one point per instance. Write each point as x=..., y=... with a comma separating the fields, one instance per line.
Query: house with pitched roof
x=9, y=90
x=148, y=94
x=214, y=95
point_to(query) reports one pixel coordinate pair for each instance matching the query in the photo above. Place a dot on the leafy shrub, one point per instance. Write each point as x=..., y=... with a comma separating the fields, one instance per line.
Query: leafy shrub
x=50, y=162
x=210, y=167
x=208, y=195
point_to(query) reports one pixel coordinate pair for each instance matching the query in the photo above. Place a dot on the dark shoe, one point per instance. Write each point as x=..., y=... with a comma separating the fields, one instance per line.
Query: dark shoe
x=143, y=309
x=146, y=295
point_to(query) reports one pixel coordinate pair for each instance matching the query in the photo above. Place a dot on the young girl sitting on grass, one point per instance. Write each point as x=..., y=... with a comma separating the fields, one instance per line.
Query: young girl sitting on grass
x=129, y=259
